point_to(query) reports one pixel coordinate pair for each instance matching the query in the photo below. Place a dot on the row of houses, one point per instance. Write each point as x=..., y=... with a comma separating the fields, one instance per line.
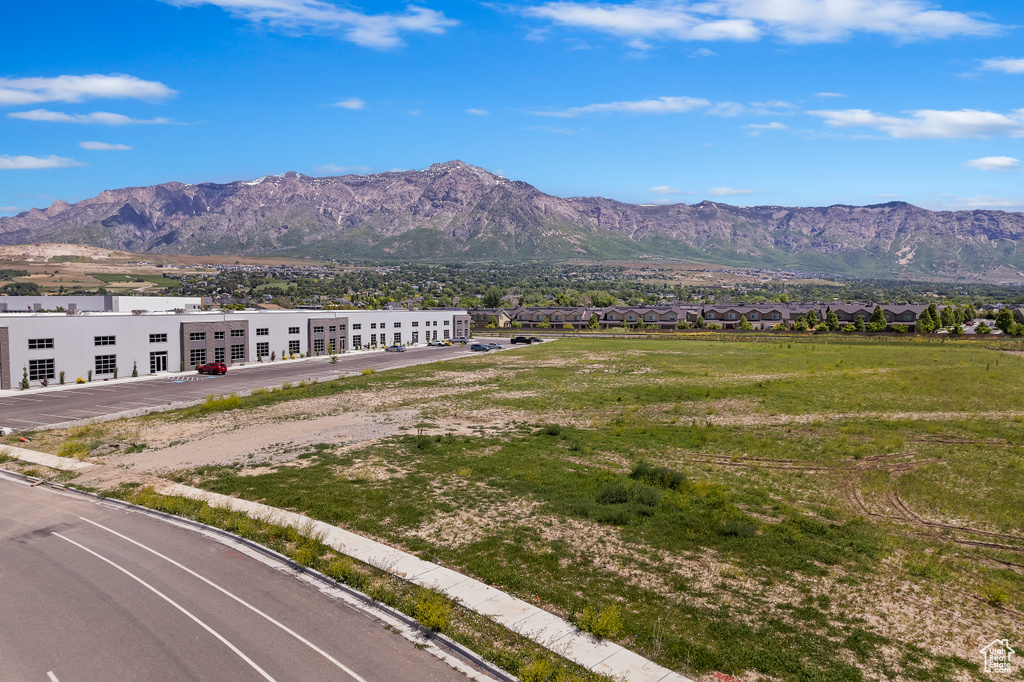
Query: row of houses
x=726, y=316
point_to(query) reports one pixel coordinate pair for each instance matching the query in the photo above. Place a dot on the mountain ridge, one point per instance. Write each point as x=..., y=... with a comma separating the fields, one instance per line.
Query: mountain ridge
x=457, y=211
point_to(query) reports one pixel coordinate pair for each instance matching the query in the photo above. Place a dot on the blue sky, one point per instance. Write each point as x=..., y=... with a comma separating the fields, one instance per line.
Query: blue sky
x=787, y=102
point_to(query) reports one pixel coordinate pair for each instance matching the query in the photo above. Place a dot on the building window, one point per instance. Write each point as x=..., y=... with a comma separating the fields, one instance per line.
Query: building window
x=40, y=369
x=415, y=324
x=39, y=344
x=558, y=318
x=294, y=347
x=357, y=341
x=262, y=331
x=446, y=322
x=218, y=335
x=332, y=329
x=909, y=317
x=732, y=316
x=632, y=317
x=218, y=354
x=711, y=316
x=318, y=330
x=373, y=325
x=105, y=364
x=158, y=362
x=396, y=325
x=398, y=338
x=446, y=333
x=357, y=326
x=753, y=316
x=197, y=336
x=197, y=356
x=775, y=316
x=293, y=330
x=318, y=345
x=236, y=333
x=341, y=327
x=158, y=338
x=104, y=341
x=538, y=319
x=373, y=339
x=671, y=318
x=262, y=349
x=237, y=351
x=415, y=337
x=435, y=323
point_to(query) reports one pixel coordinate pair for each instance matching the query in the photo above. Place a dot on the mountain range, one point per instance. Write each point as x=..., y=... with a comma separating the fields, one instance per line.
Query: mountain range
x=454, y=211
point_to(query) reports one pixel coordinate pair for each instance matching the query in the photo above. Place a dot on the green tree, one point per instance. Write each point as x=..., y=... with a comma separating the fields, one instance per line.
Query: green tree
x=745, y=324
x=1004, y=319
x=800, y=325
x=947, y=317
x=858, y=324
x=492, y=322
x=783, y=298
x=877, y=316
x=701, y=323
x=812, y=318
x=595, y=322
x=832, y=321
x=982, y=328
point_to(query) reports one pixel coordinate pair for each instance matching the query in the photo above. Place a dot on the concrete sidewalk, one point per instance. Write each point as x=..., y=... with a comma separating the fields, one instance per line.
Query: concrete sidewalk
x=525, y=619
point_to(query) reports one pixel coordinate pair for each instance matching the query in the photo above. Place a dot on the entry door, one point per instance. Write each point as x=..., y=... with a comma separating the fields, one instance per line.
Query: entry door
x=158, y=362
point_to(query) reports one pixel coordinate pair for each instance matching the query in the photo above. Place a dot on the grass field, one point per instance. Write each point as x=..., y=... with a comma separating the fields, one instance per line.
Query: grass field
x=776, y=510
x=127, y=278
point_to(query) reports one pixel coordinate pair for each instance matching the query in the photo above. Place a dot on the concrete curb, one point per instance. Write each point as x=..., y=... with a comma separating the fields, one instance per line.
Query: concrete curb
x=367, y=601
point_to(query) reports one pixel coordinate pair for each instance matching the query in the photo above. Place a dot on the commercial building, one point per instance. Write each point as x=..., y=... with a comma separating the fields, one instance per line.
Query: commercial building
x=45, y=344
x=98, y=304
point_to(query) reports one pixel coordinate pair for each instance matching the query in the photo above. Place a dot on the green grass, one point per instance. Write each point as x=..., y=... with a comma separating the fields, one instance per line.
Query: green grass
x=117, y=278
x=632, y=493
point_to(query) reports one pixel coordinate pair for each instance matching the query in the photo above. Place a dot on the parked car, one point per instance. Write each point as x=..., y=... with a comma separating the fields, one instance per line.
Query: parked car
x=460, y=339
x=395, y=349
x=213, y=368
x=534, y=339
x=479, y=347
x=495, y=346
x=435, y=342
x=521, y=339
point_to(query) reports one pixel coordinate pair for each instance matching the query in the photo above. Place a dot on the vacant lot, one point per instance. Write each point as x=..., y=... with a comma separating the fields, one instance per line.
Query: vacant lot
x=804, y=511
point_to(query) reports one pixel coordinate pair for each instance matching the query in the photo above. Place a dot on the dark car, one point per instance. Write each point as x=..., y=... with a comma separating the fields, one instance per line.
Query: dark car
x=521, y=339
x=479, y=347
x=534, y=339
x=395, y=349
x=213, y=368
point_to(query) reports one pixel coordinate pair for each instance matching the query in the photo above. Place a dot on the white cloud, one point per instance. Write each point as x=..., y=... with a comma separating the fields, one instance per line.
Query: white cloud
x=794, y=21
x=1004, y=64
x=727, y=109
x=548, y=129
x=729, y=191
x=829, y=94
x=101, y=117
x=379, y=31
x=995, y=163
x=478, y=112
x=8, y=162
x=80, y=88
x=342, y=170
x=104, y=147
x=703, y=52
x=351, y=103
x=929, y=124
x=758, y=128
x=979, y=202
x=887, y=196
x=665, y=190
x=660, y=105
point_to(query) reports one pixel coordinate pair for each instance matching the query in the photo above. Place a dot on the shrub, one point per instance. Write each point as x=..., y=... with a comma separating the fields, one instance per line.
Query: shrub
x=995, y=594
x=900, y=328
x=24, y=378
x=90, y=375
x=613, y=493
x=79, y=380
x=135, y=369
x=368, y=371
x=553, y=429
x=432, y=611
x=982, y=328
x=62, y=377
x=662, y=477
x=605, y=624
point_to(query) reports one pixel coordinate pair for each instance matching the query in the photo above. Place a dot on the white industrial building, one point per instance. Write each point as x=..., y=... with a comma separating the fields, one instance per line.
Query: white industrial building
x=97, y=304
x=77, y=343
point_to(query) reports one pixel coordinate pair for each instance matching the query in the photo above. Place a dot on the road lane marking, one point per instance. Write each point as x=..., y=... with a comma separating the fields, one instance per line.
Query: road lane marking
x=53, y=678
x=241, y=601
x=173, y=603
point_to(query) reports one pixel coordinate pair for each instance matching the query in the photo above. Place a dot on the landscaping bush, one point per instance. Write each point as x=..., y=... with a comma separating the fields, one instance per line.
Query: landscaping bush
x=662, y=477
x=605, y=624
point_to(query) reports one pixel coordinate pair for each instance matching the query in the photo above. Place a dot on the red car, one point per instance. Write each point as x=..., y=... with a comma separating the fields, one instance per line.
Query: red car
x=213, y=368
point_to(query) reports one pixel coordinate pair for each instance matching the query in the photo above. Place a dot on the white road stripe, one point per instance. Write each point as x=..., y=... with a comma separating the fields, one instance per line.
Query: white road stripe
x=53, y=678
x=241, y=601
x=173, y=603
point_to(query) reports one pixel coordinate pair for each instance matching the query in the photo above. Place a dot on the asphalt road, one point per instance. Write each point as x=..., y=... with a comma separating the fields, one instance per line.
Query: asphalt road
x=39, y=407
x=91, y=591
